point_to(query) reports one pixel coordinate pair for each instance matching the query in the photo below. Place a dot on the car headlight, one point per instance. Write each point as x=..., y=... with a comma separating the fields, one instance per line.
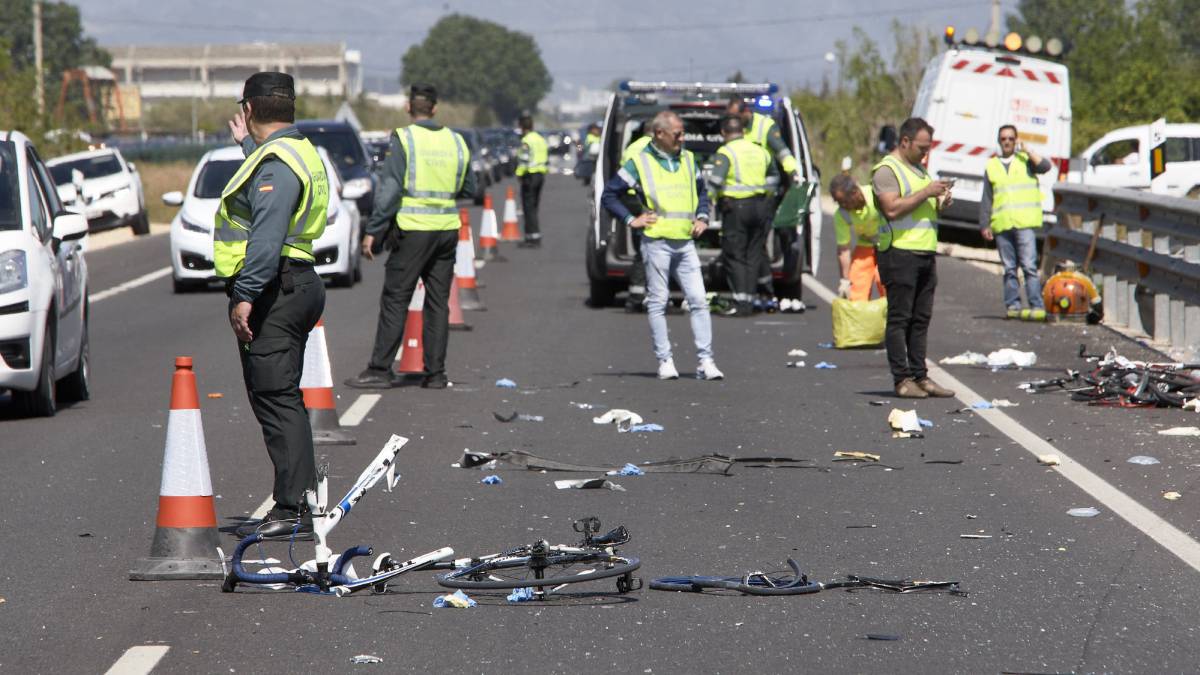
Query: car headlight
x=193, y=227
x=14, y=275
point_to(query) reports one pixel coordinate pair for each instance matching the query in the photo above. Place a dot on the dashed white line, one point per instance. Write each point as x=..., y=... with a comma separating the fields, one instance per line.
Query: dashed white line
x=138, y=660
x=1151, y=524
x=129, y=285
x=359, y=409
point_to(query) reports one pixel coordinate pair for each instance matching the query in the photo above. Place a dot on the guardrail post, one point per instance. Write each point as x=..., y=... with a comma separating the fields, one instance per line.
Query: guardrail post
x=1133, y=237
x=1162, y=301
x=1191, y=321
x=1116, y=293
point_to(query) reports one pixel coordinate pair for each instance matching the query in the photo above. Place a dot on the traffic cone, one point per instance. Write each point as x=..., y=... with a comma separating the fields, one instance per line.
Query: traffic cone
x=464, y=268
x=457, y=320
x=488, y=233
x=512, y=231
x=316, y=383
x=185, y=538
x=411, y=357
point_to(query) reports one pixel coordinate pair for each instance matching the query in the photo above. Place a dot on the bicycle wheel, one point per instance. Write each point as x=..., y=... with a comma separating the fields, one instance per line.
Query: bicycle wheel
x=530, y=571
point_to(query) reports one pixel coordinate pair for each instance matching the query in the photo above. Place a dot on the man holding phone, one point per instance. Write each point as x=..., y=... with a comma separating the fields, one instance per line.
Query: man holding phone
x=909, y=201
x=1010, y=210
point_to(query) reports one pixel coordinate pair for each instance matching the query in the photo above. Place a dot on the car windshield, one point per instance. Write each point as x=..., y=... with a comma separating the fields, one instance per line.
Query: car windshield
x=343, y=146
x=10, y=196
x=91, y=167
x=701, y=131
x=213, y=177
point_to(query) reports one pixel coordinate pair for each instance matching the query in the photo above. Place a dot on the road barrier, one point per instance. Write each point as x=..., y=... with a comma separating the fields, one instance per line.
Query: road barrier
x=1144, y=254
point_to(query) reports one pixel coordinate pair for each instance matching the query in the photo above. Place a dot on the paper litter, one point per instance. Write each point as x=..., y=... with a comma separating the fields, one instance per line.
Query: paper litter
x=904, y=420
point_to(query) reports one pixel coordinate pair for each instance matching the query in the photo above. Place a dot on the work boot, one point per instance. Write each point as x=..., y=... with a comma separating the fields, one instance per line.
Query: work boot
x=908, y=388
x=437, y=381
x=934, y=389
x=280, y=523
x=372, y=379
x=530, y=243
x=708, y=370
x=666, y=370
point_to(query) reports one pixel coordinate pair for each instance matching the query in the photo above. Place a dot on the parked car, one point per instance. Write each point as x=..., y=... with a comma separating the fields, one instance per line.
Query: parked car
x=497, y=141
x=1120, y=159
x=102, y=186
x=379, y=146
x=479, y=164
x=338, y=254
x=610, y=252
x=43, y=285
x=350, y=156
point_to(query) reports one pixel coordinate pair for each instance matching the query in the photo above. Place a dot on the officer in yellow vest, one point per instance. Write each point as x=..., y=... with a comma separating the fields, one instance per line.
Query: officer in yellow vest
x=1010, y=211
x=429, y=168
x=589, y=153
x=636, y=300
x=740, y=174
x=856, y=227
x=675, y=210
x=533, y=160
x=271, y=211
x=906, y=251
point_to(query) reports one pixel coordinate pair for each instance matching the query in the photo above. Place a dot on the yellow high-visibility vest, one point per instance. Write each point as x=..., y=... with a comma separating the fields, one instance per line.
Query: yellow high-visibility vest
x=863, y=223
x=670, y=194
x=918, y=230
x=748, y=164
x=437, y=164
x=1016, y=195
x=538, y=160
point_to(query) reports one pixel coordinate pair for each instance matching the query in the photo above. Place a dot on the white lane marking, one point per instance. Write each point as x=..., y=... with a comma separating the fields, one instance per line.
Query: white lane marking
x=262, y=509
x=359, y=409
x=1151, y=524
x=129, y=285
x=138, y=660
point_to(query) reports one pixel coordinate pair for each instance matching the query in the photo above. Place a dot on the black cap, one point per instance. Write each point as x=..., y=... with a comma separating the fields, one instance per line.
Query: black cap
x=269, y=84
x=425, y=91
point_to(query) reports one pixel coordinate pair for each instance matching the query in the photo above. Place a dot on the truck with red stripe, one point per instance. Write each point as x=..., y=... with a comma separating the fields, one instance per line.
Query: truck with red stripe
x=967, y=93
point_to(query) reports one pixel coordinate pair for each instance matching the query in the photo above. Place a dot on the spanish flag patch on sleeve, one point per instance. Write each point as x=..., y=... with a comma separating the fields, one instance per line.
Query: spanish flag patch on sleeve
x=266, y=188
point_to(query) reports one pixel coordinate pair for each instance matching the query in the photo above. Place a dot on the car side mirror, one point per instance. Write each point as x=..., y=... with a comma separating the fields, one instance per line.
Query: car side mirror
x=132, y=167
x=70, y=226
x=173, y=198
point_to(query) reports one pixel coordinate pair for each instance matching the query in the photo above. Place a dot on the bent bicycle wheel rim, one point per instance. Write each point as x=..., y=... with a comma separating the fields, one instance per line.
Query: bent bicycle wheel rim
x=561, y=569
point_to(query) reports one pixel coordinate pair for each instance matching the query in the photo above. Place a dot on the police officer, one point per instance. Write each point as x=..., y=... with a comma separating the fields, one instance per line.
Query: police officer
x=271, y=211
x=909, y=201
x=533, y=160
x=739, y=177
x=428, y=169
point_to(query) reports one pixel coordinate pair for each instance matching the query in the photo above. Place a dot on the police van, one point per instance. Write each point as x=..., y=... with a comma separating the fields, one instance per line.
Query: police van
x=610, y=244
x=968, y=92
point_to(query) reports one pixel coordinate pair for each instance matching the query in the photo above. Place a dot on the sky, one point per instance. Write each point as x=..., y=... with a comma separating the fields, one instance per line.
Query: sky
x=586, y=44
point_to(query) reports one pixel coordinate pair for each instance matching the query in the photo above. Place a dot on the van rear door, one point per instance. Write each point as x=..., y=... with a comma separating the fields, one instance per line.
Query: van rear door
x=797, y=137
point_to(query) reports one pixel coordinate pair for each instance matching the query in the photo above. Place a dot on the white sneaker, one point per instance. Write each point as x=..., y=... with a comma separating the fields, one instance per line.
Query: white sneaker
x=785, y=305
x=666, y=370
x=709, y=371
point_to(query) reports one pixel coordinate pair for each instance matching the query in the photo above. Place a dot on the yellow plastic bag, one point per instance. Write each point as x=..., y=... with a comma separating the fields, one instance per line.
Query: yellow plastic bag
x=860, y=323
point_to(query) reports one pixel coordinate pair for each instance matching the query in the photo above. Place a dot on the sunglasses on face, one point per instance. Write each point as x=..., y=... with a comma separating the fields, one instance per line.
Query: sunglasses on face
x=1008, y=138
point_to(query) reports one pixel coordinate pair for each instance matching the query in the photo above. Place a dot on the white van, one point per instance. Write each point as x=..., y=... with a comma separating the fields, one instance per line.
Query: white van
x=1119, y=159
x=967, y=94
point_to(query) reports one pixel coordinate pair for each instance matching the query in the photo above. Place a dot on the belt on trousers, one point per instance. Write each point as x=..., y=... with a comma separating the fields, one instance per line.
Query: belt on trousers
x=288, y=268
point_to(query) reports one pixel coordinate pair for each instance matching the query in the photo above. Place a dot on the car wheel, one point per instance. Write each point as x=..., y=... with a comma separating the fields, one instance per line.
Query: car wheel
x=344, y=280
x=358, y=266
x=141, y=224
x=78, y=385
x=43, y=401
x=185, y=286
x=601, y=294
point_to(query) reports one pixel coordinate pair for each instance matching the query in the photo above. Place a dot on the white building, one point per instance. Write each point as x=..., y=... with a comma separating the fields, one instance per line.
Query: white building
x=220, y=70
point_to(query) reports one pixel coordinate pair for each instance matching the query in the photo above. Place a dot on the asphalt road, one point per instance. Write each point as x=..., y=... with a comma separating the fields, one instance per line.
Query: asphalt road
x=1047, y=593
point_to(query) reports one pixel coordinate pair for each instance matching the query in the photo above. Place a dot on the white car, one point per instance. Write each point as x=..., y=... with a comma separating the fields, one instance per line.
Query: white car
x=43, y=285
x=102, y=186
x=338, y=254
x=1119, y=159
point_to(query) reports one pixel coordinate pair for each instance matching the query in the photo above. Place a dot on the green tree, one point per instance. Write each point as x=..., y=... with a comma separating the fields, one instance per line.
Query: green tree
x=18, y=110
x=64, y=45
x=470, y=60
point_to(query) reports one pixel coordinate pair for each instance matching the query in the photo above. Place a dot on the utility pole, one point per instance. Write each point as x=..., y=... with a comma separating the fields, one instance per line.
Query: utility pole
x=40, y=85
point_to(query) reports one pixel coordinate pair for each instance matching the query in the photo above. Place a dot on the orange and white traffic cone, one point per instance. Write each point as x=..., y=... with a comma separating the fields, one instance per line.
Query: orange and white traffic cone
x=457, y=320
x=464, y=268
x=488, y=233
x=185, y=537
x=512, y=231
x=316, y=383
x=411, y=357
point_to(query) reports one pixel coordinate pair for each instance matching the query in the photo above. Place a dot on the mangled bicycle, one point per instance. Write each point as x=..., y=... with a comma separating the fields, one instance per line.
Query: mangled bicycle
x=778, y=583
x=1118, y=381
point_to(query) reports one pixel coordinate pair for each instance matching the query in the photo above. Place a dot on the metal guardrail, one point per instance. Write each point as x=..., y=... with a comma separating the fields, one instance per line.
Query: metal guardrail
x=1145, y=258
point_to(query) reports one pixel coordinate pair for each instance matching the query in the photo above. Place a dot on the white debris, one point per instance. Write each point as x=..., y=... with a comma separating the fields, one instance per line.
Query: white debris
x=620, y=416
x=904, y=420
x=1011, y=357
x=965, y=359
x=1180, y=431
x=798, y=352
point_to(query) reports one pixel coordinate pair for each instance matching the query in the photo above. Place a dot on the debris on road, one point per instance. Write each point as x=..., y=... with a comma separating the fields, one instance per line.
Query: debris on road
x=925, y=423
x=854, y=456
x=517, y=416
x=1144, y=460
x=456, y=599
x=1049, y=460
x=642, y=428
x=825, y=345
x=1180, y=431
x=588, y=484
x=1193, y=405
x=492, y=480
x=825, y=366
x=216, y=395
x=907, y=434
x=628, y=470
x=796, y=364
x=1005, y=358
x=1084, y=512
x=798, y=352
x=887, y=637
x=505, y=383
x=943, y=461
x=620, y=417
x=521, y=595
x=1003, y=403
x=714, y=464
x=904, y=420
x=877, y=404
x=582, y=406
x=1171, y=495
x=362, y=659
x=964, y=359
x=974, y=536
